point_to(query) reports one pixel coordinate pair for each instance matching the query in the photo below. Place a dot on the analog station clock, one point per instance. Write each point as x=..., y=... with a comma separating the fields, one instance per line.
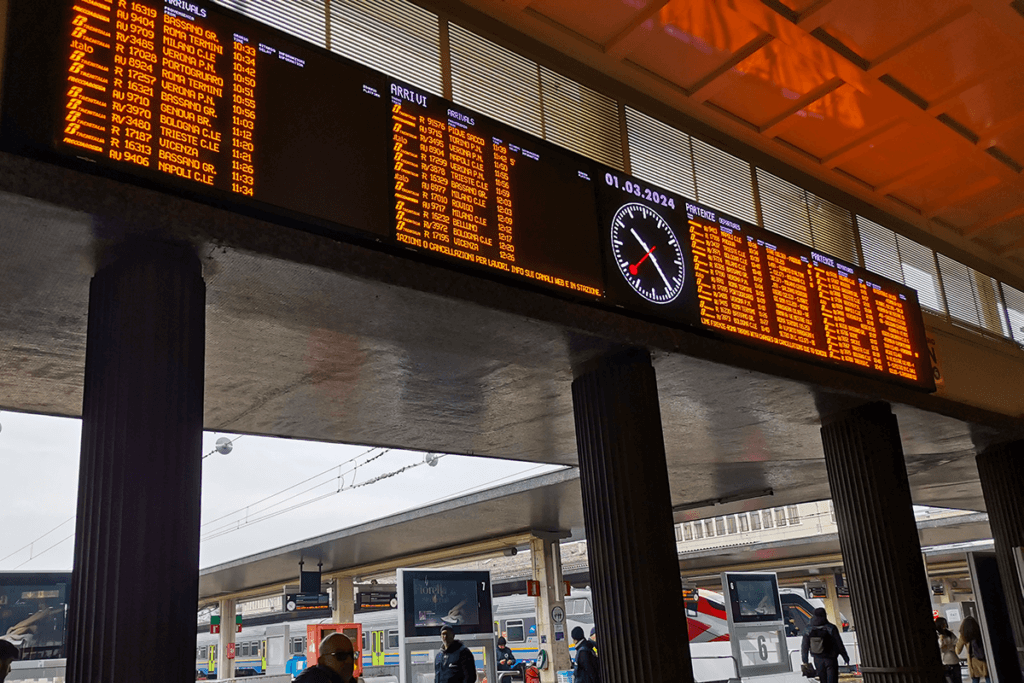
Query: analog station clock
x=647, y=253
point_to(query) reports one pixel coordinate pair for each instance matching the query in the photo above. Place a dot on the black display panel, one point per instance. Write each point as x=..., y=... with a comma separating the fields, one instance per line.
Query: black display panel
x=471, y=189
x=33, y=612
x=754, y=598
x=432, y=599
x=188, y=94
x=678, y=260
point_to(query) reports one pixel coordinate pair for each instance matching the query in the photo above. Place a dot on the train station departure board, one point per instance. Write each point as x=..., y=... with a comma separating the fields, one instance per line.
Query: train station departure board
x=181, y=92
x=677, y=259
x=471, y=189
x=190, y=97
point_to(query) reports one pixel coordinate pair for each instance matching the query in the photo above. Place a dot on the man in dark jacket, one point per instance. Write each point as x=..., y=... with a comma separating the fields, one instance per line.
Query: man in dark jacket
x=454, y=663
x=335, y=664
x=506, y=660
x=588, y=668
x=824, y=642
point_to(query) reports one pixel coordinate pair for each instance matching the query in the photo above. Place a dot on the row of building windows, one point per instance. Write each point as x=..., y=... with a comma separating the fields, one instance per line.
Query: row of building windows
x=738, y=524
x=407, y=41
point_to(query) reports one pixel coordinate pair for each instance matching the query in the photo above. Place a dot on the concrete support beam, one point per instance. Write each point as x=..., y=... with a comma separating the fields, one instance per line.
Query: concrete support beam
x=344, y=607
x=225, y=666
x=546, y=556
x=631, y=546
x=141, y=468
x=881, y=549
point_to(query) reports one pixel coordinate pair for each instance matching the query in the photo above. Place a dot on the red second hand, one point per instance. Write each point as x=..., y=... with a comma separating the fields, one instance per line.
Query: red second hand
x=633, y=269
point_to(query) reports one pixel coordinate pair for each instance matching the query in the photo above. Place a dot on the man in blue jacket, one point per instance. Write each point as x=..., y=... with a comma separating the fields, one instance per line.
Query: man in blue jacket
x=454, y=663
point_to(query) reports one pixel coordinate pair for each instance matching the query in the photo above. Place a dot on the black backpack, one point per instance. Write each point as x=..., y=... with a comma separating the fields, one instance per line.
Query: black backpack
x=978, y=650
x=820, y=641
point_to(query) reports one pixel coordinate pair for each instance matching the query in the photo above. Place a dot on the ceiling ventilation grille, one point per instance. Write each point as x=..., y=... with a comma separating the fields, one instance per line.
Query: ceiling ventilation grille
x=495, y=81
x=660, y=153
x=724, y=181
x=393, y=36
x=305, y=19
x=581, y=119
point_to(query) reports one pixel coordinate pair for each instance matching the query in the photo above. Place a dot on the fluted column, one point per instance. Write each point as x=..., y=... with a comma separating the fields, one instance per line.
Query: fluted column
x=627, y=508
x=880, y=545
x=1001, y=469
x=136, y=572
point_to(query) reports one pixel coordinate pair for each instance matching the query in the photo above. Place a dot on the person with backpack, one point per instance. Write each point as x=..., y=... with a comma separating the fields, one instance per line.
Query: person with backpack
x=970, y=637
x=950, y=660
x=825, y=644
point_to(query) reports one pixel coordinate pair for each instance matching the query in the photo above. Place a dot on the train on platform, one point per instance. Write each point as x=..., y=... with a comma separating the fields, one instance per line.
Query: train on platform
x=515, y=618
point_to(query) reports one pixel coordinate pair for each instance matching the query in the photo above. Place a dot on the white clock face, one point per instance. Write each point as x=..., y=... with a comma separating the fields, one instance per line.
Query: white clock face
x=647, y=253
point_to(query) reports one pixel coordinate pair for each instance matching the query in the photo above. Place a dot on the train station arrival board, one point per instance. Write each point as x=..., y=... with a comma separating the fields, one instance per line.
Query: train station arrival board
x=187, y=96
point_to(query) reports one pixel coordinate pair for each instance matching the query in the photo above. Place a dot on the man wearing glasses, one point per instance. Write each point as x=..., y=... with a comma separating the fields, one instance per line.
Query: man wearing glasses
x=335, y=664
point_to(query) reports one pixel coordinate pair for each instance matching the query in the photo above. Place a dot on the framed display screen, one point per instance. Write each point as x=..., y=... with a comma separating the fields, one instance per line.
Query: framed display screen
x=432, y=599
x=33, y=612
x=753, y=598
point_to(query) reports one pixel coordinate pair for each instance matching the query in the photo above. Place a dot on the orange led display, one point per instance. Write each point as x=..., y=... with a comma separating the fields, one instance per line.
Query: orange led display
x=456, y=193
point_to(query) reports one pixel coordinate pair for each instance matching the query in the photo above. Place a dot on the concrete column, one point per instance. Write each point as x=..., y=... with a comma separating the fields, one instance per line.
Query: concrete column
x=634, y=571
x=881, y=550
x=546, y=556
x=1001, y=469
x=225, y=666
x=135, y=585
x=832, y=600
x=344, y=607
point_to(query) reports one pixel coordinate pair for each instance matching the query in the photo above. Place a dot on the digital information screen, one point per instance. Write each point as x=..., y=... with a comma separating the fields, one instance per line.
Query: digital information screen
x=189, y=95
x=432, y=599
x=178, y=89
x=33, y=609
x=678, y=259
x=471, y=189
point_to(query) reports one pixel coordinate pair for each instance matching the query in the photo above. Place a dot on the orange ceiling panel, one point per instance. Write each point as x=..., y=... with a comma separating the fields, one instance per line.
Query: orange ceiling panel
x=967, y=48
x=967, y=179
x=991, y=103
x=687, y=41
x=768, y=82
x=596, y=20
x=872, y=27
x=839, y=118
x=891, y=157
x=1011, y=143
x=999, y=202
x=799, y=6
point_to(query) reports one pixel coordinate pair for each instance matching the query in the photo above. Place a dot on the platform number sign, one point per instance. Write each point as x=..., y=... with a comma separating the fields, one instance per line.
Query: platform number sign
x=760, y=648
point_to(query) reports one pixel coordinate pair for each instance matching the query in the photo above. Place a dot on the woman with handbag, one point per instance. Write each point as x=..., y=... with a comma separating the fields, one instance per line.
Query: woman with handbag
x=970, y=637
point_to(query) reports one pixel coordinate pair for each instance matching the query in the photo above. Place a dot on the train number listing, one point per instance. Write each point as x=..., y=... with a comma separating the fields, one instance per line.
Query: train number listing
x=177, y=89
x=685, y=261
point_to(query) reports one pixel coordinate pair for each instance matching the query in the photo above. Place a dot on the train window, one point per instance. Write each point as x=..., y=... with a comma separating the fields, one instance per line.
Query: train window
x=794, y=515
x=698, y=530
x=586, y=606
x=514, y=631
x=755, y=521
x=688, y=532
x=202, y=652
x=709, y=528
x=744, y=523
x=780, y=517
x=730, y=524
x=766, y=519
x=720, y=526
x=393, y=639
x=296, y=647
x=679, y=532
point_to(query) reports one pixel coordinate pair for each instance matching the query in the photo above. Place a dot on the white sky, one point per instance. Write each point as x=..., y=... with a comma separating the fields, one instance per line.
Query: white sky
x=40, y=483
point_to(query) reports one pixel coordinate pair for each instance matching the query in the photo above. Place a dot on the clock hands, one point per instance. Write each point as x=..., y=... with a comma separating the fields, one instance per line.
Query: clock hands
x=633, y=267
x=650, y=253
